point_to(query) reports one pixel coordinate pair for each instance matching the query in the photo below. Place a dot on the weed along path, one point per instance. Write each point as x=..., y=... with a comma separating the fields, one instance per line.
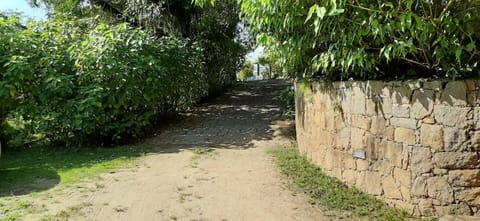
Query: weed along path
x=211, y=165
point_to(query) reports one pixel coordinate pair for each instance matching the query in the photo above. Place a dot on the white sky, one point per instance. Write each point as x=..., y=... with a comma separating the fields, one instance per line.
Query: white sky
x=23, y=7
x=254, y=55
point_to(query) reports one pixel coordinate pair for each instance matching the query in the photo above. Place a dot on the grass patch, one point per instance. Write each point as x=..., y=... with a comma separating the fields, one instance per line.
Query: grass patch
x=330, y=192
x=204, y=151
x=46, y=168
x=200, y=152
x=68, y=213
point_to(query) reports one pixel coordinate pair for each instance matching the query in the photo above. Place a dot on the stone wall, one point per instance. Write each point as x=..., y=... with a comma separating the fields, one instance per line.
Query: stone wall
x=414, y=144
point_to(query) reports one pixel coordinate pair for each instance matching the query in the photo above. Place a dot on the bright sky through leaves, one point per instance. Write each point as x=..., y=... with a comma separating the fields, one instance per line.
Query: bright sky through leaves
x=23, y=7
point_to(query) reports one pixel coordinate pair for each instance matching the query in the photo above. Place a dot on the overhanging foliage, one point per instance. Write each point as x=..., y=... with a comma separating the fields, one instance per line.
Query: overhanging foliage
x=369, y=39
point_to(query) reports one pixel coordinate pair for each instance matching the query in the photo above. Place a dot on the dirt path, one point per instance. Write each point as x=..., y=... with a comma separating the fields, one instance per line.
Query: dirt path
x=213, y=165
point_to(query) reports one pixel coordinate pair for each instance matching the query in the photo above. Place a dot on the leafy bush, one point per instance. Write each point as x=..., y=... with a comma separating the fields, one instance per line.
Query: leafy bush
x=247, y=71
x=216, y=31
x=369, y=39
x=287, y=97
x=287, y=100
x=71, y=81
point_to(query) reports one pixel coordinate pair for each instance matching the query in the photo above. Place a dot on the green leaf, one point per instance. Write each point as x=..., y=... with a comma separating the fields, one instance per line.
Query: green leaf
x=310, y=12
x=470, y=47
x=458, y=54
x=321, y=11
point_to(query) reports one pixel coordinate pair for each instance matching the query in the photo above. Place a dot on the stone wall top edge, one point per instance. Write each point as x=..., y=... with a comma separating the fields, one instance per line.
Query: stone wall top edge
x=396, y=83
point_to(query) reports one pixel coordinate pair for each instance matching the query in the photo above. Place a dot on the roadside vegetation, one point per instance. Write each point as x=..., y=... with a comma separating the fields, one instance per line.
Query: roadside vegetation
x=87, y=76
x=61, y=167
x=330, y=192
x=287, y=100
x=368, y=39
x=30, y=172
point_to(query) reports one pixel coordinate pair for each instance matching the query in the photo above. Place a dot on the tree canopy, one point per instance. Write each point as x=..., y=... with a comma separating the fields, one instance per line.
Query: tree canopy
x=366, y=39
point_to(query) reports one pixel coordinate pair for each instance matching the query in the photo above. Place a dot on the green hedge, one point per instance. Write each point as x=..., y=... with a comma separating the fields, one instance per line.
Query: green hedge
x=74, y=81
x=365, y=39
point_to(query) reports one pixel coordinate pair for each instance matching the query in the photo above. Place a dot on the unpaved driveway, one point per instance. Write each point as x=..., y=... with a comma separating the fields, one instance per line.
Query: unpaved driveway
x=234, y=179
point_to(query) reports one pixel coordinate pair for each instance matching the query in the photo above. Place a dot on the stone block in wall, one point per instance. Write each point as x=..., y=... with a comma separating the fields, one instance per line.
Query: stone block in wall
x=342, y=138
x=401, y=110
x=475, y=140
x=330, y=120
x=360, y=180
x=337, y=172
x=455, y=139
x=403, y=123
x=383, y=167
x=421, y=160
x=439, y=188
x=324, y=137
x=378, y=126
x=373, y=183
x=345, y=101
x=456, y=160
x=415, y=84
x=390, y=133
x=472, y=98
x=401, y=95
x=390, y=188
x=428, y=120
x=465, y=178
x=439, y=172
x=406, y=193
x=419, y=187
x=433, y=85
x=317, y=154
x=362, y=165
x=370, y=147
x=432, y=136
x=338, y=121
x=348, y=161
x=319, y=118
x=357, y=138
x=455, y=209
x=452, y=116
x=405, y=135
x=470, y=196
x=330, y=160
x=361, y=122
x=380, y=146
x=476, y=117
x=372, y=108
x=387, y=101
x=358, y=101
x=477, y=102
x=454, y=94
x=406, y=156
x=403, y=177
x=350, y=176
x=394, y=153
x=422, y=103
x=471, y=85
x=374, y=88
x=425, y=207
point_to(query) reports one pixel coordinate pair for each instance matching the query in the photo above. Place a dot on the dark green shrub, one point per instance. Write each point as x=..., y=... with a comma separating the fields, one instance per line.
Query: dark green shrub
x=69, y=81
x=287, y=98
x=216, y=31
